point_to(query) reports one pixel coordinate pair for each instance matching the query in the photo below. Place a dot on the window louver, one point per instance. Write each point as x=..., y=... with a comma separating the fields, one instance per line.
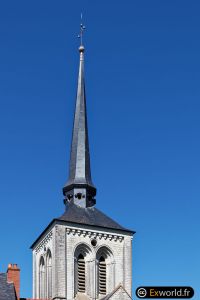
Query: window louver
x=81, y=274
x=102, y=276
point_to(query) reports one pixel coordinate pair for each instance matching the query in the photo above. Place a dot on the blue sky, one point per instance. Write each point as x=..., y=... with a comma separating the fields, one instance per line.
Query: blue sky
x=142, y=83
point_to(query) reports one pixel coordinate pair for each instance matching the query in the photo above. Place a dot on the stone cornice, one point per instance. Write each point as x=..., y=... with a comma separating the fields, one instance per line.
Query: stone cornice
x=44, y=242
x=95, y=235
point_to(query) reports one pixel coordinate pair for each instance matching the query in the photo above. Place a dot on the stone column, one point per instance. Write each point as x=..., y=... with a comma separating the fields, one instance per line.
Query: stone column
x=128, y=264
x=60, y=263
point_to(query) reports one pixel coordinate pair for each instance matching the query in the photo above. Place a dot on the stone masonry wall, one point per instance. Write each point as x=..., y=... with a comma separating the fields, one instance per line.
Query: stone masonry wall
x=64, y=239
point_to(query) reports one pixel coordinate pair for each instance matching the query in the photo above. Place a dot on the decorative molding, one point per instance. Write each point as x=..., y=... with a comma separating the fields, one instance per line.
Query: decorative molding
x=44, y=242
x=95, y=235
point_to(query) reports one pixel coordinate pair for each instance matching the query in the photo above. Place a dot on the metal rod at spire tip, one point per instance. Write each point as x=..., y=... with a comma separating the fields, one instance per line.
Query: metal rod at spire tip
x=82, y=28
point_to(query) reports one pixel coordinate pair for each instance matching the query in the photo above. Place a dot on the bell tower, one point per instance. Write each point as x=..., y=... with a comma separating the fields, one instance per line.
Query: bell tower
x=83, y=254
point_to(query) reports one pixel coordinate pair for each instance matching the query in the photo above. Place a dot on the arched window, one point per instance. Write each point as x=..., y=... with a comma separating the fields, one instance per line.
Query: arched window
x=81, y=273
x=105, y=271
x=102, y=275
x=42, y=278
x=83, y=258
x=49, y=274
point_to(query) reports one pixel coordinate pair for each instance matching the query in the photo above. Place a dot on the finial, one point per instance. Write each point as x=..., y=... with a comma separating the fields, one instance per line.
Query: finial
x=82, y=28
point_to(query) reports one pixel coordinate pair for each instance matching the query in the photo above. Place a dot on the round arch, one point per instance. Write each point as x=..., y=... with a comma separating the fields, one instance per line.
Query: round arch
x=49, y=273
x=83, y=256
x=84, y=249
x=105, y=270
x=42, y=277
x=105, y=252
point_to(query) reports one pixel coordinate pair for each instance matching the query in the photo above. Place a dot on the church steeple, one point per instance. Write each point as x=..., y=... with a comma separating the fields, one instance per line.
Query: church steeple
x=83, y=254
x=79, y=188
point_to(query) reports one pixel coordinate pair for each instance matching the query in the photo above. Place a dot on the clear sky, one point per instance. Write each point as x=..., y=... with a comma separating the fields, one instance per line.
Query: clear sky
x=142, y=82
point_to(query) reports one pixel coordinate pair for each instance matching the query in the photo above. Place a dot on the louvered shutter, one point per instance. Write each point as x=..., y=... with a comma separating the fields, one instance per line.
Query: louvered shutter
x=81, y=274
x=102, y=276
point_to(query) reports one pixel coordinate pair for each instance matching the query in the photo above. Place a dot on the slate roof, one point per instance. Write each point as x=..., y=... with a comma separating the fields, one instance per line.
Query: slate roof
x=89, y=216
x=7, y=290
x=79, y=166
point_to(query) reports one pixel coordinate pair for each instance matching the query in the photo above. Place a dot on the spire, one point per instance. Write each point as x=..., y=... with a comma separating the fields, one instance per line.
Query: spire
x=79, y=187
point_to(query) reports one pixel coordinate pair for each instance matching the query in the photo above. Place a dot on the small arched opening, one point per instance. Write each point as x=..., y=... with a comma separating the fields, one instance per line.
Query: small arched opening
x=105, y=271
x=49, y=274
x=42, y=278
x=82, y=260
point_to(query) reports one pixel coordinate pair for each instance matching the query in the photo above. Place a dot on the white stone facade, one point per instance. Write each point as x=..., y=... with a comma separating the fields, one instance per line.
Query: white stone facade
x=65, y=241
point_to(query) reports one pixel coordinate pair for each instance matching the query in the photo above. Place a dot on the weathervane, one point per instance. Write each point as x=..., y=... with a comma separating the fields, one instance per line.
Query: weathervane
x=82, y=28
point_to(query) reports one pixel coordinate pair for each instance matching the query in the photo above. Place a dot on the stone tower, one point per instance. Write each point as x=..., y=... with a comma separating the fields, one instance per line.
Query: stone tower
x=83, y=254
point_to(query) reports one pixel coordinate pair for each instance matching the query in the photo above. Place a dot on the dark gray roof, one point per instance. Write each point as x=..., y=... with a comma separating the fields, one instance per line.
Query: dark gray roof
x=7, y=290
x=79, y=169
x=89, y=216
